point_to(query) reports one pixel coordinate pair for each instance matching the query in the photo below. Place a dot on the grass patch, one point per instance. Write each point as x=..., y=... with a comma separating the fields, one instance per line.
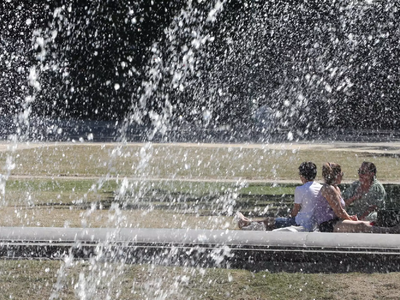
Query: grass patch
x=53, y=192
x=82, y=203
x=168, y=161
x=97, y=218
x=45, y=279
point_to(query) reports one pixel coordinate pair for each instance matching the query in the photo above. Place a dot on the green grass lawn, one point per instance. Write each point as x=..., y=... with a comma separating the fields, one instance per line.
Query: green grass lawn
x=172, y=204
x=85, y=280
x=167, y=161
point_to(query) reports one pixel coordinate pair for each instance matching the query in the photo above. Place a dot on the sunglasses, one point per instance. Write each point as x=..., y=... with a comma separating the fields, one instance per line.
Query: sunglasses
x=362, y=172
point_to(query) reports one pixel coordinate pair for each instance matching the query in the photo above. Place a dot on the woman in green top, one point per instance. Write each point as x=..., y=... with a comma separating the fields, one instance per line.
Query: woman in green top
x=367, y=195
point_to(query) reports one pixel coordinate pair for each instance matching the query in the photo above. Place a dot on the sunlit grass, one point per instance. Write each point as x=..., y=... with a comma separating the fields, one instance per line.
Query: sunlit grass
x=75, y=203
x=45, y=279
x=57, y=191
x=48, y=216
x=167, y=161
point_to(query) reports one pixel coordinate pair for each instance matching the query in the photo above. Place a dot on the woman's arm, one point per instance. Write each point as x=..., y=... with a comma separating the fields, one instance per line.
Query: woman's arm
x=333, y=199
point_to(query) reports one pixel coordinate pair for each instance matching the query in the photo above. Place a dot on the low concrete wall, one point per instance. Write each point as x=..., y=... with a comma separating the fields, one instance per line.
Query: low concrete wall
x=273, y=251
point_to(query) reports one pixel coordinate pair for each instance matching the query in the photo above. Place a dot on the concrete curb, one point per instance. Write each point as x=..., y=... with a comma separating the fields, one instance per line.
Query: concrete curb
x=273, y=251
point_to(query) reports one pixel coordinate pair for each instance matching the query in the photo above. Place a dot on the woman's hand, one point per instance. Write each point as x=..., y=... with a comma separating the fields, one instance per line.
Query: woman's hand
x=332, y=195
x=357, y=196
x=353, y=218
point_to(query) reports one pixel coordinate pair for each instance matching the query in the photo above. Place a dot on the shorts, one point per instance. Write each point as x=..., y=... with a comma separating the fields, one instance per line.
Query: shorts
x=328, y=226
x=285, y=222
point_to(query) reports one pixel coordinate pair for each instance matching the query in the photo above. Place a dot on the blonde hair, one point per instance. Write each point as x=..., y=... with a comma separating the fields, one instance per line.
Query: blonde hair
x=330, y=171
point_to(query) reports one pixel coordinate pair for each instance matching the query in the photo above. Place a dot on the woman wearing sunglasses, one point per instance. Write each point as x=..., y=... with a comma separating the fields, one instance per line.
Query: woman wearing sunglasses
x=366, y=195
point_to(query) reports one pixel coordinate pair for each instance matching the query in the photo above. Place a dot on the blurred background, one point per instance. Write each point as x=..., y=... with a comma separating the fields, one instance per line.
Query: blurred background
x=196, y=70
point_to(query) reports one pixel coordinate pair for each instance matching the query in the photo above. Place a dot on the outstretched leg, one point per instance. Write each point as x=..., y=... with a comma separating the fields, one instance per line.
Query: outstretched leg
x=353, y=226
x=363, y=227
x=242, y=220
x=247, y=224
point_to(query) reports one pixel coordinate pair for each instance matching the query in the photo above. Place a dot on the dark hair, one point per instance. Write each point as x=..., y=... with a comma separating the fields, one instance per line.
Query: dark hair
x=330, y=171
x=369, y=166
x=308, y=170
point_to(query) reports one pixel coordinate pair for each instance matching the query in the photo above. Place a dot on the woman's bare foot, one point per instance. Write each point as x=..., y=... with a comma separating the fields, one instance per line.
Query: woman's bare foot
x=242, y=220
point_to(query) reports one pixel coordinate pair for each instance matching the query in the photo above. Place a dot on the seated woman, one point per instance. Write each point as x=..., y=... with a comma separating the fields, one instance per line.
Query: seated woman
x=330, y=205
x=366, y=195
x=330, y=214
x=304, y=205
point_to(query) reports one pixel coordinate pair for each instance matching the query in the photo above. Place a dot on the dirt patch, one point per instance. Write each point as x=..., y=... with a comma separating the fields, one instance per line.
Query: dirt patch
x=367, y=286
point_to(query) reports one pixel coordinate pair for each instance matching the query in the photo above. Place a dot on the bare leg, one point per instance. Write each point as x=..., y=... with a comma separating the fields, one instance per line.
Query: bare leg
x=243, y=221
x=363, y=227
x=353, y=226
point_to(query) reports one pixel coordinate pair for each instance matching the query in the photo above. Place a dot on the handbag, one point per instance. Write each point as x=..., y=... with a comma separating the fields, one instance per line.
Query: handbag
x=388, y=217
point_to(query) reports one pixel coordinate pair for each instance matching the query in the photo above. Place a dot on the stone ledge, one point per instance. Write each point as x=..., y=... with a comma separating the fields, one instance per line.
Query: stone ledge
x=273, y=251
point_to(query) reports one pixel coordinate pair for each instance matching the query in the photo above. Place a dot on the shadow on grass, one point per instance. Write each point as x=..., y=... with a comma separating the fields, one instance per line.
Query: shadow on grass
x=254, y=200
x=205, y=205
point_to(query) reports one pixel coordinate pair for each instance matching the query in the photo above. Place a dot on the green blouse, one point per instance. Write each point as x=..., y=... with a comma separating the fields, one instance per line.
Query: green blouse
x=374, y=197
